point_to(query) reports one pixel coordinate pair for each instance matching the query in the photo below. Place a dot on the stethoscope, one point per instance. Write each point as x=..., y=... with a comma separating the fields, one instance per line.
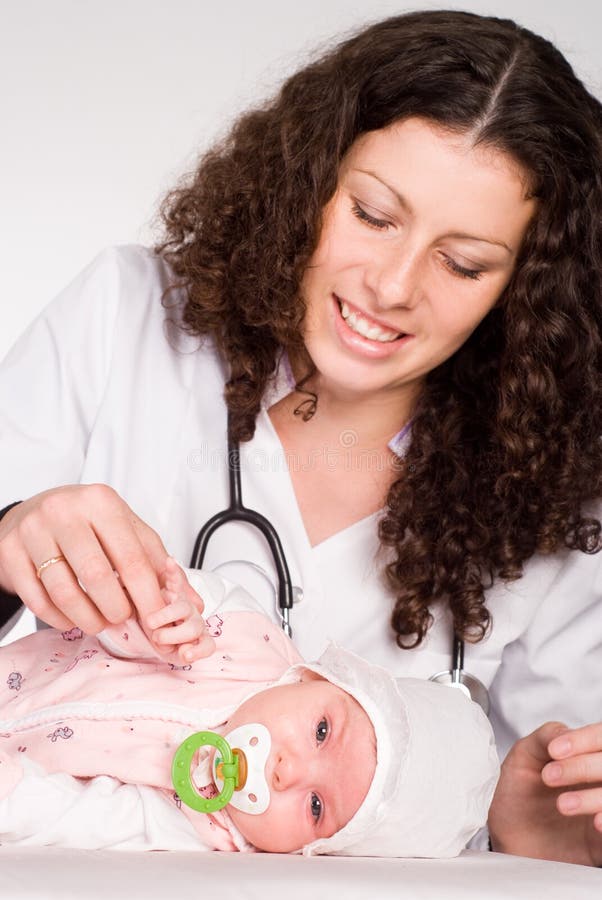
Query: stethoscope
x=236, y=511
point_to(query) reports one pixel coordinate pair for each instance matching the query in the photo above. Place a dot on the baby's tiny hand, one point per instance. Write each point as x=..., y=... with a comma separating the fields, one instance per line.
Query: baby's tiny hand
x=179, y=625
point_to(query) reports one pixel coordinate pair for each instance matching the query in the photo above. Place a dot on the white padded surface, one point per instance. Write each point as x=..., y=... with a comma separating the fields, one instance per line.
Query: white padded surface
x=52, y=874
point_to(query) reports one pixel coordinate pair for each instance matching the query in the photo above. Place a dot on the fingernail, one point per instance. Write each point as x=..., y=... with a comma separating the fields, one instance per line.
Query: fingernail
x=569, y=803
x=189, y=655
x=560, y=746
x=553, y=773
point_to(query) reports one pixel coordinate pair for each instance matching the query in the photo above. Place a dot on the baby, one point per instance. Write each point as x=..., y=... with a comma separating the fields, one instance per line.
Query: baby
x=340, y=756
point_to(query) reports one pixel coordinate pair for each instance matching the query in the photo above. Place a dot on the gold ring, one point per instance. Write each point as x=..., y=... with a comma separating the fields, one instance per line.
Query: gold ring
x=49, y=562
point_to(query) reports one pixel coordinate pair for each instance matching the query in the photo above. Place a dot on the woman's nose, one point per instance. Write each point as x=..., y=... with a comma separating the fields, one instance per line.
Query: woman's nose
x=395, y=278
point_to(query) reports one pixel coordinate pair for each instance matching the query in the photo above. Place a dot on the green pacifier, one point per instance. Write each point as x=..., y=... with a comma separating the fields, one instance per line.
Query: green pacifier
x=228, y=768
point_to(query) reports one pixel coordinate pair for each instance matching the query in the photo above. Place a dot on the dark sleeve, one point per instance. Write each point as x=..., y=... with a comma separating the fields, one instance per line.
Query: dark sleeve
x=9, y=603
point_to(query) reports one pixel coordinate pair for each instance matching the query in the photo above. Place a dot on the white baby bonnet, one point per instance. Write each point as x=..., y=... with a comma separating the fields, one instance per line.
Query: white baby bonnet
x=436, y=763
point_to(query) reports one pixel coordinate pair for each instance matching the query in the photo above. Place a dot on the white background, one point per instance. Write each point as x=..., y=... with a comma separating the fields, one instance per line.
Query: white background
x=104, y=103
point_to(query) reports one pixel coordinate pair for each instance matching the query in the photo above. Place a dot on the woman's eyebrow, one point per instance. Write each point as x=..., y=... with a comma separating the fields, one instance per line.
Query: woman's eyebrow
x=408, y=208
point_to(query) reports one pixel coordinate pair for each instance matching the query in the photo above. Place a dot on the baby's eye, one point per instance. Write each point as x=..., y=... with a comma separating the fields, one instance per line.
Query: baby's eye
x=316, y=807
x=322, y=731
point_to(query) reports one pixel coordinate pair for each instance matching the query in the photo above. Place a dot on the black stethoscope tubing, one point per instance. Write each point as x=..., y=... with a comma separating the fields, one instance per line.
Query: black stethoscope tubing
x=236, y=511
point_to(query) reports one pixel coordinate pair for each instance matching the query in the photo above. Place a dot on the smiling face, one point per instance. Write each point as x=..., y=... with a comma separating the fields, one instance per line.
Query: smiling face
x=417, y=245
x=321, y=763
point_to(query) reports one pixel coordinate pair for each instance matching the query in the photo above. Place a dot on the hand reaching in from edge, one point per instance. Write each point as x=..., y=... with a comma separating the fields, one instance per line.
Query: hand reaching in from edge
x=548, y=802
x=76, y=538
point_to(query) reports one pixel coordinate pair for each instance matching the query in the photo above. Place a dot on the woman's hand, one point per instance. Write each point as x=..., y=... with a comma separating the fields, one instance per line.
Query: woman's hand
x=533, y=813
x=98, y=535
x=179, y=628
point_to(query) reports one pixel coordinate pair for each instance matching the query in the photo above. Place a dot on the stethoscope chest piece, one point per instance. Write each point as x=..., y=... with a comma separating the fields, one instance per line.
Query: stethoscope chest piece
x=457, y=677
x=468, y=684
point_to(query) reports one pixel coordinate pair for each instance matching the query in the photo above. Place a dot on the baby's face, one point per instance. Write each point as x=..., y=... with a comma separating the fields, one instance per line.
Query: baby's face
x=321, y=762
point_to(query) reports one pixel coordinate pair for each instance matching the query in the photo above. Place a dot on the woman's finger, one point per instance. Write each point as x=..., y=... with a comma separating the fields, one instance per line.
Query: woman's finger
x=534, y=746
x=98, y=534
x=583, y=769
x=576, y=741
x=138, y=554
x=26, y=584
x=56, y=523
x=580, y=803
x=82, y=585
x=108, y=536
x=86, y=581
x=67, y=596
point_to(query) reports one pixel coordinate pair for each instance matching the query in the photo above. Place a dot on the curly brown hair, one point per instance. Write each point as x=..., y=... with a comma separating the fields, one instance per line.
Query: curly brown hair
x=505, y=442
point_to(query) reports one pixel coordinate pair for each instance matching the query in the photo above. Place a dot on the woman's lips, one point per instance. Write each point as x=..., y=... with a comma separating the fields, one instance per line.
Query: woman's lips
x=360, y=344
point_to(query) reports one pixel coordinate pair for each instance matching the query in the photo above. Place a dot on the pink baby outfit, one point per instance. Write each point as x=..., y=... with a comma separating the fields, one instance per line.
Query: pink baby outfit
x=93, y=706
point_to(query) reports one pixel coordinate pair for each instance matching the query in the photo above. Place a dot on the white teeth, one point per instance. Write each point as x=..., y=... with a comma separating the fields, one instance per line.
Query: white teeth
x=361, y=326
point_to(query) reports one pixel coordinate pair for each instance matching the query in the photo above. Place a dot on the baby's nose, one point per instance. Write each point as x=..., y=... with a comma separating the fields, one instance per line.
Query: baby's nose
x=287, y=772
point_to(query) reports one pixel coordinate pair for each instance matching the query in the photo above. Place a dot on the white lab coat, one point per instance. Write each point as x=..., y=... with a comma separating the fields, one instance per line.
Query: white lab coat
x=103, y=387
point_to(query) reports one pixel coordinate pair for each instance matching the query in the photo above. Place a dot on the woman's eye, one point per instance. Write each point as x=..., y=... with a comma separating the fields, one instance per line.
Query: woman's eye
x=382, y=224
x=321, y=731
x=457, y=269
x=363, y=216
x=316, y=807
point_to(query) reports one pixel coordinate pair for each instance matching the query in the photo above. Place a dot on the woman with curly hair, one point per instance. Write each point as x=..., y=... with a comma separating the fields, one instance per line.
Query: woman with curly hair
x=392, y=272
